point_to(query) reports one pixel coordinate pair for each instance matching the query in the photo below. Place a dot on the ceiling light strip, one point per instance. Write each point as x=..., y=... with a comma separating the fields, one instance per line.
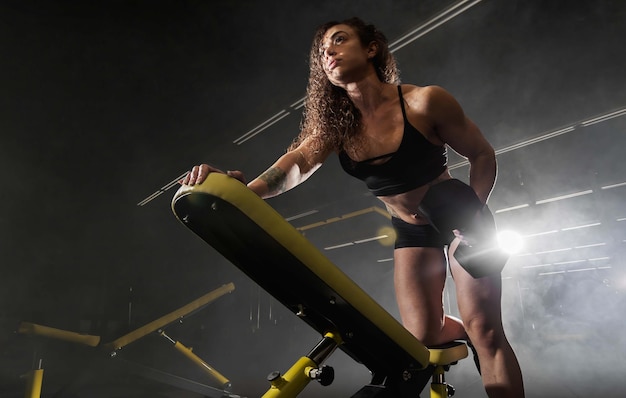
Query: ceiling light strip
x=536, y=266
x=149, y=198
x=523, y=144
x=277, y=117
x=569, y=248
x=541, y=233
x=621, y=184
x=512, y=208
x=590, y=245
x=551, y=273
x=432, y=24
x=298, y=104
x=379, y=237
x=550, y=135
x=356, y=242
x=581, y=269
x=595, y=224
x=600, y=259
x=339, y=246
x=570, y=262
x=174, y=182
x=557, y=198
x=308, y=213
x=535, y=140
x=555, y=250
x=336, y=219
x=605, y=117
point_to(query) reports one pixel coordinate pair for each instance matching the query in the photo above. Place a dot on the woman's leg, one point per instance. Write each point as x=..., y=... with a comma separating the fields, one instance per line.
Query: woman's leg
x=419, y=278
x=479, y=304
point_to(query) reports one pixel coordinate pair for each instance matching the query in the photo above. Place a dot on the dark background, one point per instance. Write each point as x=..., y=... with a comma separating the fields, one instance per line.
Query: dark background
x=103, y=103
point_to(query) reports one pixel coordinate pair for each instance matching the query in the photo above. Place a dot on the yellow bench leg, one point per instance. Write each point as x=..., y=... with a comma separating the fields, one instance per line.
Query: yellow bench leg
x=34, y=383
x=438, y=387
x=304, y=370
x=442, y=357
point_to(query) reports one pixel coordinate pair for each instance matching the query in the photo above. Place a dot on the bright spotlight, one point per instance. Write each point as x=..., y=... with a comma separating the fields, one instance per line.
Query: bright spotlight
x=510, y=241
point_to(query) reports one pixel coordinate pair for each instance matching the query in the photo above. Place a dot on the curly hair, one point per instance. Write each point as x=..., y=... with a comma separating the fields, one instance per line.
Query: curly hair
x=329, y=116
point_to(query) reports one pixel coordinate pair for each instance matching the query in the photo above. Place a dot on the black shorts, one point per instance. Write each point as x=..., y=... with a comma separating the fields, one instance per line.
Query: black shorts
x=452, y=205
x=448, y=205
x=411, y=235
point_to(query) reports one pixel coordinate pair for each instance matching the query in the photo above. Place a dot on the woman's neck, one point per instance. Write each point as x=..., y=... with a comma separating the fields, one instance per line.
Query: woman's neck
x=369, y=94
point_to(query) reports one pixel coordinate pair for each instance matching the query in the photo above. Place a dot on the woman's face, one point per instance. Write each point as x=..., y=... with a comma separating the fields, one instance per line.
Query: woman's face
x=343, y=56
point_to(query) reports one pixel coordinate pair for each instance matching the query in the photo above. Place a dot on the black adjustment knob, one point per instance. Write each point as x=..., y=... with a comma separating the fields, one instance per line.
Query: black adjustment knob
x=275, y=375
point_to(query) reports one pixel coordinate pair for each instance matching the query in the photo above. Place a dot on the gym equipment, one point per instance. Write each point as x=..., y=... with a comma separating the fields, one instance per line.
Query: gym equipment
x=260, y=242
x=34, y=378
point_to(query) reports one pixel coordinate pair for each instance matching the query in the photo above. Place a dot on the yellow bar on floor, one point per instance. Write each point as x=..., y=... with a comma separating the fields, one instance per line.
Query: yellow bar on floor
x=34, y=383
x=60, y=334
x=186, y=351
x=169, y=318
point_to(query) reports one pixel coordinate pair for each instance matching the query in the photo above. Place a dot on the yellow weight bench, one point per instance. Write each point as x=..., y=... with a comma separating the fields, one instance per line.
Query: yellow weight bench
x=260, y=242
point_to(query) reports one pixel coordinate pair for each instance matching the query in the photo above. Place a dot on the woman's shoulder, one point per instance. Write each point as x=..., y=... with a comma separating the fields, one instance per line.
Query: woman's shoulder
x=423, y=91
x=427, y=97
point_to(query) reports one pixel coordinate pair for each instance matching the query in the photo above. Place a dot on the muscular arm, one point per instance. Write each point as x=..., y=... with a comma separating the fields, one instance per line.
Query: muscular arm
x=288, y=171
x=455, y=129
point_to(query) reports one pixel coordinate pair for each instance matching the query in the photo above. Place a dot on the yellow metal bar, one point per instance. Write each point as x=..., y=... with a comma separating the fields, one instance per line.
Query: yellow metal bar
x=73, y=337
x=299, y=375
x=293, y=382
x=382, y=212
x=345, y=217
x=34, y=383
x=169, y=318
x=438, y=386
x=186, y=351
x=335, y=336
x=448, y=354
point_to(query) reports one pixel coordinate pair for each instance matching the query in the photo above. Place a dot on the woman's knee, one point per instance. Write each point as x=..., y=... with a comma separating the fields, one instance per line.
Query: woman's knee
x=484, y=332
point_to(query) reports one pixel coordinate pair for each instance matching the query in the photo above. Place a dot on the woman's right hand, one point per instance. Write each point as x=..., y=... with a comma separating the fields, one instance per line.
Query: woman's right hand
x=199, y=173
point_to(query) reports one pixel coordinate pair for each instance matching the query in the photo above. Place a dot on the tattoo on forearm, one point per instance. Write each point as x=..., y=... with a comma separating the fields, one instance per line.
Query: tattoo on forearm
x=275, y=178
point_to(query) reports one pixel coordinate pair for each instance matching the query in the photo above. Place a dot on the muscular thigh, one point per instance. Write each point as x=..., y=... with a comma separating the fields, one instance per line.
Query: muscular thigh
x=419, y=277
x=420, y=267
x=478, y=298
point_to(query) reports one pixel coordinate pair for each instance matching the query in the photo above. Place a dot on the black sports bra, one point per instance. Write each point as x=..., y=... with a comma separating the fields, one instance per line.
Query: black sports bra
x=416, y=162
